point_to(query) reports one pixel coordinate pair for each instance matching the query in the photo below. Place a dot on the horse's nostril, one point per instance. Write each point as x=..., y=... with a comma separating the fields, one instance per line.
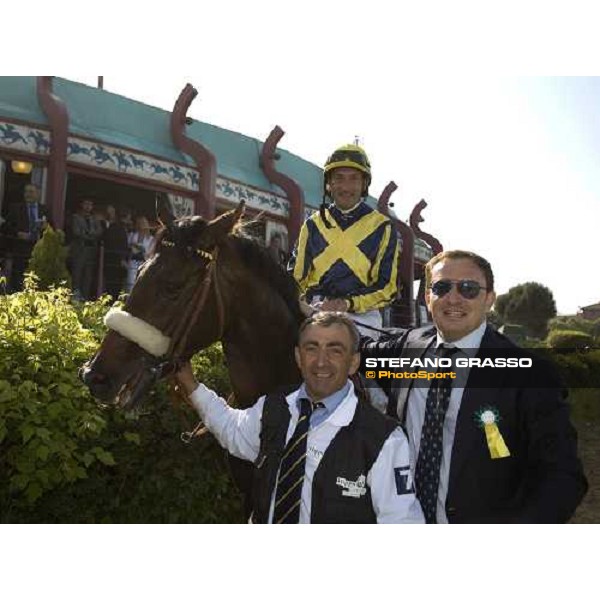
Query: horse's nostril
x=91, y=377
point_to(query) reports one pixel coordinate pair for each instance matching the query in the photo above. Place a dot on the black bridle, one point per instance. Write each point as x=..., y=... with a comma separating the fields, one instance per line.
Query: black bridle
x=170, y=362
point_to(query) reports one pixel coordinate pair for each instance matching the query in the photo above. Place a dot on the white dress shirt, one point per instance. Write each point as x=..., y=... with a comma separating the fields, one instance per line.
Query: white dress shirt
x=239, y=432
x=415, y=413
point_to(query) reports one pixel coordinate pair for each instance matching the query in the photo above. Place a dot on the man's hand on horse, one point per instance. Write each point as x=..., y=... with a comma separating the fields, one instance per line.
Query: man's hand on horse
x=336, y=304
x=185, y=378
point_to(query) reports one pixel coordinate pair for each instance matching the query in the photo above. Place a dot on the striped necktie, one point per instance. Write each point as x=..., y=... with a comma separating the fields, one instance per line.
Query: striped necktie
x=291, y=470
x=427, y=473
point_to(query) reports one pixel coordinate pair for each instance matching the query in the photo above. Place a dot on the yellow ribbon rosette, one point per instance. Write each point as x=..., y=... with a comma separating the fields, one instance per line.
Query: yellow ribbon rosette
x=496, y=444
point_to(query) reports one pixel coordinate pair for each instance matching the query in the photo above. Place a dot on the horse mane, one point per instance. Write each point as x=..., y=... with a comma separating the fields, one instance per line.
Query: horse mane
x=254, y=256
x=259, y=261
x=184, y=234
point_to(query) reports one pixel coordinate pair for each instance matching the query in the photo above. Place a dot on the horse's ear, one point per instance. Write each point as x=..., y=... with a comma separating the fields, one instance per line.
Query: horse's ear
x=164, y=213
x=223, y=225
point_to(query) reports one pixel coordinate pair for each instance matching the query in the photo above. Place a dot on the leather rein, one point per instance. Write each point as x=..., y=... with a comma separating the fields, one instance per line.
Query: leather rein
x=179, y=333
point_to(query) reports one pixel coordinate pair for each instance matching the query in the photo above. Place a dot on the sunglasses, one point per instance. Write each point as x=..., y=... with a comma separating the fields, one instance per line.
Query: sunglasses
x=467, y=288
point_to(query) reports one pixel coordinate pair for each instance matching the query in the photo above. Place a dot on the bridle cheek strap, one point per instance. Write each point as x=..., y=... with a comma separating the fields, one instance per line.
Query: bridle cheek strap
x=138, y=331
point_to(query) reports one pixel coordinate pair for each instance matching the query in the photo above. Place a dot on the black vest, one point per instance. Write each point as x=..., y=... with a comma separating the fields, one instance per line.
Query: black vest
x=350, y=455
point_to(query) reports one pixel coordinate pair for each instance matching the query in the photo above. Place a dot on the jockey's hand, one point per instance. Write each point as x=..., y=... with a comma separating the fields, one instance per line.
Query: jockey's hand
x=305, y=308
x=336, y=304
x=185, y=378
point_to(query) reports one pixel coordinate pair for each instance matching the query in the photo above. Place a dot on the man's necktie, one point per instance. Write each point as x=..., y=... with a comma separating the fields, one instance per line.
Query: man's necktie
x=291, y=471
x=427, y=473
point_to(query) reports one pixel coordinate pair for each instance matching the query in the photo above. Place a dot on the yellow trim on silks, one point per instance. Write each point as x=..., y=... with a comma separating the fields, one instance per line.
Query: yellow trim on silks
x=299, y=265
x=495, y=441
x=384, y=296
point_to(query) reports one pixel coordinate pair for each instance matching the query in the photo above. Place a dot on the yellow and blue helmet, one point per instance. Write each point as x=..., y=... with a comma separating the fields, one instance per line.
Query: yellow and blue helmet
x=351, y=156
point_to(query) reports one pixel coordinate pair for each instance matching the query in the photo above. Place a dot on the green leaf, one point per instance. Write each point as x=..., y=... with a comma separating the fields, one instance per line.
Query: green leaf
x=88, y=459
x=27, y=431
x=134, y=438
x=106, y=458
x=42, y=433
x=43, y=452
x=33, y=491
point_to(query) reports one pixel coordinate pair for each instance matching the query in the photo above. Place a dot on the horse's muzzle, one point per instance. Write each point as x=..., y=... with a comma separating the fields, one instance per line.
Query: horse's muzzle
x=98, y=384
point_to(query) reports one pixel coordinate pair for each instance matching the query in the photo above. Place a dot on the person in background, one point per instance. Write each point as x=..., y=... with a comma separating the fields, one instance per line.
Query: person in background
x=23, y=228
x=275, y=249
x=126, y=219
x=116, y=250
x=141, y=242
x=86, y=232
x=101, y=217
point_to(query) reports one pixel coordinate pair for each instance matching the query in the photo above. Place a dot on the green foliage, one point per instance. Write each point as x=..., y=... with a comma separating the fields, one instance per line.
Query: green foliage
x=579, y=369
x=529, y=304
x=565, y=338
x=49, y=260
x=585, y=405
x=63, y=458
x=575, y=323
x=494, y=319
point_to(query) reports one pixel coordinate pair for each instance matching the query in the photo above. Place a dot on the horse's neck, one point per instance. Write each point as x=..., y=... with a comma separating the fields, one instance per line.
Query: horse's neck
x=260, y=355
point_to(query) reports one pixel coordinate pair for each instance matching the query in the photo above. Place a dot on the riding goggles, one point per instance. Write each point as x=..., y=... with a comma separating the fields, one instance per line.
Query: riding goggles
x=467, y=288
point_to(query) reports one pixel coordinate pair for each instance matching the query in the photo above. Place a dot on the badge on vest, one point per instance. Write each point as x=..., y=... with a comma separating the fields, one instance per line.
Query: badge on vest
x=353, y=489
x=404, y=481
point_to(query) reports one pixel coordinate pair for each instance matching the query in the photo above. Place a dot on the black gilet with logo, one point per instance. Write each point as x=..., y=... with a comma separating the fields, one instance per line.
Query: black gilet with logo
x=350, y=454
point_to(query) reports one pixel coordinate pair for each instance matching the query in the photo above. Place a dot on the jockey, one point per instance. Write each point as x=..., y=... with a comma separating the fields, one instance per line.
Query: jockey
x=346, y=258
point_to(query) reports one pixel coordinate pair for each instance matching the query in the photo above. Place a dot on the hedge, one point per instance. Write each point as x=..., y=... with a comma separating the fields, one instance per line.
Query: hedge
x=65, y=459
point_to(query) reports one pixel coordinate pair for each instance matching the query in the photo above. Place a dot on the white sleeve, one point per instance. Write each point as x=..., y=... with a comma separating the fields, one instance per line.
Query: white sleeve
x=391, y=483
x=238, y=431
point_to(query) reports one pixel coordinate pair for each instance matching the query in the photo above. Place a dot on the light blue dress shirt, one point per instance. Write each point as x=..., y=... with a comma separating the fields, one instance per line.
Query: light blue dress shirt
x=329, y=404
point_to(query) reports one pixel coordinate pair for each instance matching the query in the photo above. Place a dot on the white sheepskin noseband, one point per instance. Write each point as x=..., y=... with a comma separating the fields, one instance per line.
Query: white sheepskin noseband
x=143, y=334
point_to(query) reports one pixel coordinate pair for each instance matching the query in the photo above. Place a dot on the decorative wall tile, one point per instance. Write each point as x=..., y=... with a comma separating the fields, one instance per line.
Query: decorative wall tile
x=118, y=160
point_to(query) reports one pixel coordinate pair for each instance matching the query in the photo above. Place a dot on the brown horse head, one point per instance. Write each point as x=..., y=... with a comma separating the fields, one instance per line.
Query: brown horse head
x=205, y=281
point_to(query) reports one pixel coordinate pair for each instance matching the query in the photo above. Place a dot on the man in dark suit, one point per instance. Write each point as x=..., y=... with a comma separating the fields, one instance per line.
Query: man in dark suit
x=481, y=451
x=24, y=226
x=116, y=250
x=86, y=232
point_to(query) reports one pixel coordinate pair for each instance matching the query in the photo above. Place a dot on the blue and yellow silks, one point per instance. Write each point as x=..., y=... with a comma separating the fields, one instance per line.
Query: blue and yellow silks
x=355, y=259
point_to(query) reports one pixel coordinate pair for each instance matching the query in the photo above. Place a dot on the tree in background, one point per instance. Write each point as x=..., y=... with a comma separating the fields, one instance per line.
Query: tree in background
x=493, y=318
x=49, y=260
x=530, y=304
x=565, y=338
x=575, y=323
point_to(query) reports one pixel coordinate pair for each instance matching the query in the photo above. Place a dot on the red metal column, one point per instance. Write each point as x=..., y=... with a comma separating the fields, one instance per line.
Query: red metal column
x=415, y=219
x=406, y=268
x=204, y=158
x=294, y=192
x=431, y=241
x=58, y=117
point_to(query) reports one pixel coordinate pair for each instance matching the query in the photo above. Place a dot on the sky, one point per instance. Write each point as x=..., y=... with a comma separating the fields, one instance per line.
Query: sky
x=507, y=165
